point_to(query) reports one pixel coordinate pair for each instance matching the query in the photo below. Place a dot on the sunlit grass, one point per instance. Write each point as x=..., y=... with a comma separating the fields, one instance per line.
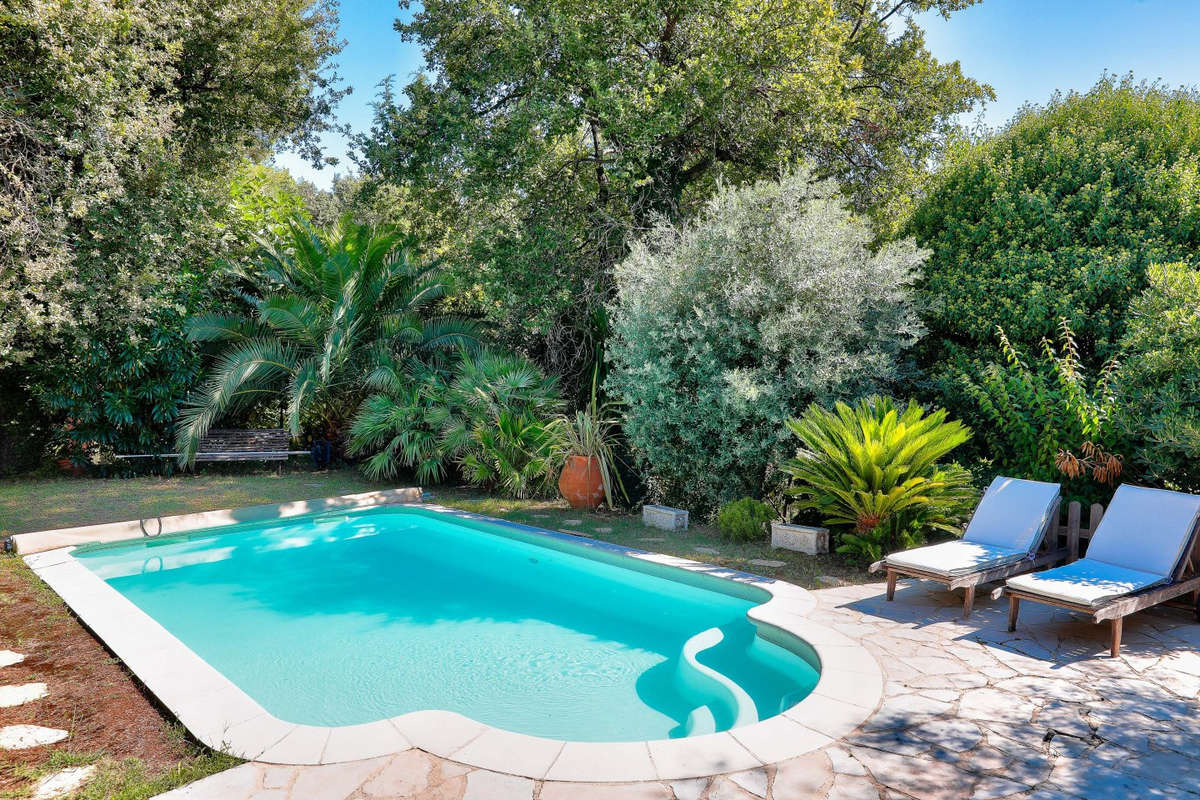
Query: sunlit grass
x=29, y=505
x=126, y=778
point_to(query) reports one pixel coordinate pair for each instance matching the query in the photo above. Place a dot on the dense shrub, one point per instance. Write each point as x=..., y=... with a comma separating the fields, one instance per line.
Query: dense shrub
x=744, y=520
x=1159, y=380
x=489, y=416
x=772, y=298
x=25, y=428
x=122, y=395
x=1036, y=415
x=1058, y=216
x=872, y=471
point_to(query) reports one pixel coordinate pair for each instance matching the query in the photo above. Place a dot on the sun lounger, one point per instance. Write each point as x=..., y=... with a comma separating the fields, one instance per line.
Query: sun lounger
x=1006, y=536
x=1143, y=553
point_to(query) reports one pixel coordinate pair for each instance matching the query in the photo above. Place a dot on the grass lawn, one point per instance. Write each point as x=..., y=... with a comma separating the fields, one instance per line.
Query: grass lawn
x=37, y=504
x=40, y=504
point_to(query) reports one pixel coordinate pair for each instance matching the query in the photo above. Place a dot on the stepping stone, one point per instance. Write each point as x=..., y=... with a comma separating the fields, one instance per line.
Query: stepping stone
x=766, y=562
x=8, y=658
x=604, y=529
x=65, y=781
x=22, y=737
x=572, y=522
x=541, y=516
x=711, y=551
x=16, y=695
x=653, y=539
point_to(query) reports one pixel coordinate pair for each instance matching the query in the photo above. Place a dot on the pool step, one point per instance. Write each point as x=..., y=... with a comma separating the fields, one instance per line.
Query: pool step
x=717, y=696
x=700, y=720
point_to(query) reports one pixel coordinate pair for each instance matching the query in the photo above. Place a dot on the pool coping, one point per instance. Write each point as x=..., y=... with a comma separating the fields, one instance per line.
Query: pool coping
x=222, y=716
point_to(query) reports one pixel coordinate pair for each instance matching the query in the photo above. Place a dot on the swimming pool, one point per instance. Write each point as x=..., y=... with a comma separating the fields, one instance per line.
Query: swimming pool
x=348, y=618
x=519, y=650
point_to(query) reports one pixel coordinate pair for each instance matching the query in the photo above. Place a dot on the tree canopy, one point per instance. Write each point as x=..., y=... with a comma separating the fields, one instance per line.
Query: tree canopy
x=548, y=132
x=118, y=122
x=1057, y=216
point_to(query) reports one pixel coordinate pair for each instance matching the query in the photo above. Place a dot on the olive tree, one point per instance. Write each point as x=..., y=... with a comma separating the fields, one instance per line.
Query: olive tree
x=723, y=328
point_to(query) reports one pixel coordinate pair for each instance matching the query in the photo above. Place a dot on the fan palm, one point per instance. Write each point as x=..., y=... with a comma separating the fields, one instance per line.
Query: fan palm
x=871, y=470
x=324, y=309
x=488, y=413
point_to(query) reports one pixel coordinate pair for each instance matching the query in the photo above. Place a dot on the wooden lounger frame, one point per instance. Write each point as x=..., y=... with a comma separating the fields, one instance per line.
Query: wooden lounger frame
x=1184, y=580
x=1061, y=543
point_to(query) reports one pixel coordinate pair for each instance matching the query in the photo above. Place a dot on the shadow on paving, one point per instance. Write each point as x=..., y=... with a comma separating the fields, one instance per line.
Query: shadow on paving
x=971, y=710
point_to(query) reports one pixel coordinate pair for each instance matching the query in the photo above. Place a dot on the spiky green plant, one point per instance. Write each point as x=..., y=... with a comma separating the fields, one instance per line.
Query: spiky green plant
x=871, y=470
x=515, y=453
x=324, y=309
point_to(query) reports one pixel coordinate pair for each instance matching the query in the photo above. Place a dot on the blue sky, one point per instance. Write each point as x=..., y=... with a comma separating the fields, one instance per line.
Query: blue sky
x=1026, y=49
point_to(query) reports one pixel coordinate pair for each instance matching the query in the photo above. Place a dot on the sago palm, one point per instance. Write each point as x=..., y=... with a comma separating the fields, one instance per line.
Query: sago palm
x=872, y=471
x=323, y=310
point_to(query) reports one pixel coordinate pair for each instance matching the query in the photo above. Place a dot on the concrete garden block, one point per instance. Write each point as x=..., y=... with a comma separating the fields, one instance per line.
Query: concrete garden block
x=800, y=538
x=665, y=517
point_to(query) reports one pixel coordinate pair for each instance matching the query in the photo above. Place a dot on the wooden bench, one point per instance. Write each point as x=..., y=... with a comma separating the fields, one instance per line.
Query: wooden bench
x=229, y=444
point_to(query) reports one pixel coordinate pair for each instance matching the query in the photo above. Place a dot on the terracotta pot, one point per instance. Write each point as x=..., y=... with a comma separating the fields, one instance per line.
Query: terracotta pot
x=67, y=467
x=581, y=483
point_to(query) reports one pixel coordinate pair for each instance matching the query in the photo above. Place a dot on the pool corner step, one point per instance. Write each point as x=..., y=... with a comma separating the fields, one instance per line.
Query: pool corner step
x=718, y=695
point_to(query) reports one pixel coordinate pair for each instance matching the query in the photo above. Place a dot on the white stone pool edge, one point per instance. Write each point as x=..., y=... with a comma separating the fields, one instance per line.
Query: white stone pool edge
x=222, y=716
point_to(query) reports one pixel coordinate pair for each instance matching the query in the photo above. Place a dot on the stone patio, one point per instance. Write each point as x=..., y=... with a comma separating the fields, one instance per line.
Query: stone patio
x=969, y=711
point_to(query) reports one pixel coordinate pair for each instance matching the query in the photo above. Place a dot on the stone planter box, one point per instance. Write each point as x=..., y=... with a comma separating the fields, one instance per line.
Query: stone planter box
x=800, y=538
x=665, y=517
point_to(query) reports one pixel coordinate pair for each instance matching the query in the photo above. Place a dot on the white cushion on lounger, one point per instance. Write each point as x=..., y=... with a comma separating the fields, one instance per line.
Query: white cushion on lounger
x=1086, y=582
x=955, y=558
x=1013, y=514
x=1145, y=529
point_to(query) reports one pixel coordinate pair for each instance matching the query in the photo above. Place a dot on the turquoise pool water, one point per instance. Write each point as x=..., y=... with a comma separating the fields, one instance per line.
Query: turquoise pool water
x=349, y=618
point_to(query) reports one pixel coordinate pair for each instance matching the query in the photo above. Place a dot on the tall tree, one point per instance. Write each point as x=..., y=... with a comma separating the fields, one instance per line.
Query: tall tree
x=560, y=127
x=118, y=121
x=1057, y=215
x=120, y=124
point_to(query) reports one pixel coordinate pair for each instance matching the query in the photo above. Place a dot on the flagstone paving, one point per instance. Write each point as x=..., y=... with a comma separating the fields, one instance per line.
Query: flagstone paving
x=22, y=737
x=969, y=711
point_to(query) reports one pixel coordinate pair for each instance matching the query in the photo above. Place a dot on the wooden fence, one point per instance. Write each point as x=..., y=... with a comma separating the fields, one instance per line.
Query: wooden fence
x=1073, y=534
